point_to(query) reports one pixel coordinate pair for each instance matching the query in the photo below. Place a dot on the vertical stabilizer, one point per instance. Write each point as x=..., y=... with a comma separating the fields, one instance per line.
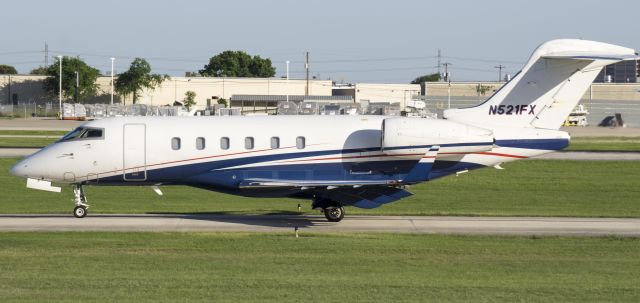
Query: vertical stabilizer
x=547, y=89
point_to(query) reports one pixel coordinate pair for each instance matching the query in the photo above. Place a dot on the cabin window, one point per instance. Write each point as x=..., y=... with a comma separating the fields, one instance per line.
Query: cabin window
x=248, y=142
x=300, y=142
x=275, y=142
x=200, y=144
x=175, y=143
x=224, y=143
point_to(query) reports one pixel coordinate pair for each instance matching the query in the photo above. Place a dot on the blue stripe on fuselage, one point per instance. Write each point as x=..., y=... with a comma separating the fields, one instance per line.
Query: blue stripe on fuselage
x=544, y=144
x=391, y=168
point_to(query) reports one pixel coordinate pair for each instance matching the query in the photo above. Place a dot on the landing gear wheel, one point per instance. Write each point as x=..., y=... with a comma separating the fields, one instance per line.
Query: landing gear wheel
x=80, y=211
x=334, y=213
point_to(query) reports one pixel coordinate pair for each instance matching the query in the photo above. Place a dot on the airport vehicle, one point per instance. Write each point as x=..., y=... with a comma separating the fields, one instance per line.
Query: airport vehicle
x=334, y=161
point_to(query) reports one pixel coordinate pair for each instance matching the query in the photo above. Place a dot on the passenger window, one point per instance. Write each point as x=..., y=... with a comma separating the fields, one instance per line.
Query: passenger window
x=275, y=142
x=175, y=143
x=224, y=143
x=248, y=142
x=200, y=143
x=300, y=142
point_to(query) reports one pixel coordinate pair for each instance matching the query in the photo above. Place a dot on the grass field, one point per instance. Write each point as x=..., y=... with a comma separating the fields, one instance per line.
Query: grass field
x=605, y=143
x=232, y=267
x=53, y=133
x=524, y=188
x=28, y=141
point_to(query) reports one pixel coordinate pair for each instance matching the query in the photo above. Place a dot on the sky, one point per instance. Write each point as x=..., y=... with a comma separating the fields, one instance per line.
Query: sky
x=348, y=41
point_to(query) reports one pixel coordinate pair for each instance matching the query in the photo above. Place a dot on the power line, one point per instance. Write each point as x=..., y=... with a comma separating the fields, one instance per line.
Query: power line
x=483, y=60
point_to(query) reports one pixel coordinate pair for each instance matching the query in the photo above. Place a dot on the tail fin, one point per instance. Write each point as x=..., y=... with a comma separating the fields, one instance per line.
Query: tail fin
x=548, y=88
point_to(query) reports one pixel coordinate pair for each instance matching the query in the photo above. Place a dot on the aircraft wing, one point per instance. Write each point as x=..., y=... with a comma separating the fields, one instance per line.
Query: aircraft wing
x=365, y=197
x=362, y=194
x=329, y=184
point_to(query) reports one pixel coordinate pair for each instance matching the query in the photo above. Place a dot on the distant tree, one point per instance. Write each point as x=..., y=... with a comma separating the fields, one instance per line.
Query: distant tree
x=435, y=77
x=223, y=101
x=137, y=78
x=189, y=99
x=483, y=89
x=7, y=70
x=238, y=64
x=40, y=70
x=70, y=65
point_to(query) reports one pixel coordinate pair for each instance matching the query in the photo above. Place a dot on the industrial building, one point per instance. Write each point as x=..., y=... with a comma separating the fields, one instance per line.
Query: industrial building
x=621, y=72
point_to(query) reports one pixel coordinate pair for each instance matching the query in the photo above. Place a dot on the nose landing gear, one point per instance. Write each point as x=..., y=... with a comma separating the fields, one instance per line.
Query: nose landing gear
x=80, y=211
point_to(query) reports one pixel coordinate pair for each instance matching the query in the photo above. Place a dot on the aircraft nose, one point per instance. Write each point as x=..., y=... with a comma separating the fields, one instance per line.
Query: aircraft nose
x=19, y=169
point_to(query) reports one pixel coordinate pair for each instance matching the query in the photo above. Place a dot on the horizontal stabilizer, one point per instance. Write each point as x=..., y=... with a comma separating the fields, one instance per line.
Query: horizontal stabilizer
x=591, y=56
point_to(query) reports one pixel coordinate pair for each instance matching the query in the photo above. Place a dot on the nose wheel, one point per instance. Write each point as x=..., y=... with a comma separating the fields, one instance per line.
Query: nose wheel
x=80, y=211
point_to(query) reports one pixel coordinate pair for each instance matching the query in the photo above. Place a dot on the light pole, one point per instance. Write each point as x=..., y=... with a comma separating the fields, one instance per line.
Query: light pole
x=112, y=60
x=60, y=90
x=287, y=85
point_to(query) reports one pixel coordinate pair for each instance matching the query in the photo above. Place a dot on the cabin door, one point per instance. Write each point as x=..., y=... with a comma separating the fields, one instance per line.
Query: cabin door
x=134, y=152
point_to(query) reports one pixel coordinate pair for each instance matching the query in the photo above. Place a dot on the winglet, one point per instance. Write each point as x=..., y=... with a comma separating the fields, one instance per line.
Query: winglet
x=421, y=171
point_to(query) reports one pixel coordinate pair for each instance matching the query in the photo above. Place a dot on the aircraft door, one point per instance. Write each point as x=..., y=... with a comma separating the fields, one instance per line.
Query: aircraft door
x=134, y=152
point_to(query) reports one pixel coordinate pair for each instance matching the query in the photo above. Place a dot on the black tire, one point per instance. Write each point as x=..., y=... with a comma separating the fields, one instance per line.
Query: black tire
x=79, y=211
x=334, y=213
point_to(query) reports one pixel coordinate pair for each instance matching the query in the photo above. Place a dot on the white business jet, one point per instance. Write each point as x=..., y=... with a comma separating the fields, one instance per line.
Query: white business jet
x=334, y=161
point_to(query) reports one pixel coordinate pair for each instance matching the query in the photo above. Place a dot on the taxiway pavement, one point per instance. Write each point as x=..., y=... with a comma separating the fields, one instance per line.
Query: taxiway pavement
x=318, y=224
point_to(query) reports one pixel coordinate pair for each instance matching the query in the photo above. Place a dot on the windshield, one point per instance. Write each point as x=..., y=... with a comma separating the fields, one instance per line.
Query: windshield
x=83, y=133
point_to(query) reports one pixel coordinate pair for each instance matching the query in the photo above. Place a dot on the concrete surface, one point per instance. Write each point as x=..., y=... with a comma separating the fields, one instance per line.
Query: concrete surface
x=596, y=131
x=590, y=156
x=16, y=152
x=38, y=124
x=53, y=124
x=318, y=224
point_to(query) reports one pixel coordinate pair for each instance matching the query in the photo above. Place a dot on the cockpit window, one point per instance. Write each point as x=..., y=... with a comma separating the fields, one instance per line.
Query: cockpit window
x=82, y=133
x=92, y=133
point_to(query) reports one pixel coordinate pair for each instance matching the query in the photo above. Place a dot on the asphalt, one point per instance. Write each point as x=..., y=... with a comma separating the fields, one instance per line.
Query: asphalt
x=543, y=226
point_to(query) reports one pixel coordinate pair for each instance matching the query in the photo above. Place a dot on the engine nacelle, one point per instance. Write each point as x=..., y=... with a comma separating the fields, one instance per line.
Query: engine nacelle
x=402, y=134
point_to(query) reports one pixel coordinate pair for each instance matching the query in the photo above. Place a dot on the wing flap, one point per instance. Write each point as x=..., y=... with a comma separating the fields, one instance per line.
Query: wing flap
x=365, y=197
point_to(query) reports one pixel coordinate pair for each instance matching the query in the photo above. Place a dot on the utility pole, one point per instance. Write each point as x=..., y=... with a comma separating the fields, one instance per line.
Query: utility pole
x=446, y=71
x=287, y=84
x=500, y=67
x=46, y=54
x=76, y=86
x=60, y=90
x=439, y=63
x=306, y=66
x=112, y=60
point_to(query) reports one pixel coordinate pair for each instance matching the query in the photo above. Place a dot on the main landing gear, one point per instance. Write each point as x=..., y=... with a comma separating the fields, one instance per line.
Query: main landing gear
x=333, y=211
x=80, y=211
